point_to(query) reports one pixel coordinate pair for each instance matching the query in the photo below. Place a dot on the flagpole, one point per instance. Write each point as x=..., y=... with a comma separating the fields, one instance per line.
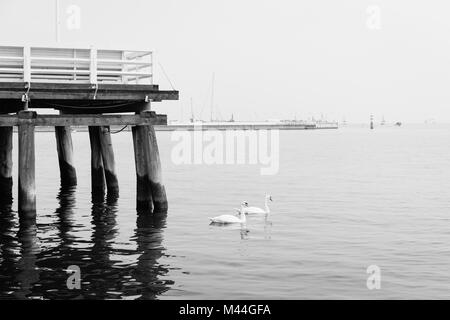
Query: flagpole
x=57, y=22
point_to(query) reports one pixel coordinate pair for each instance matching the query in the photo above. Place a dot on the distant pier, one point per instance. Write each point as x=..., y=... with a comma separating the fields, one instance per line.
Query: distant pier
x=247, y=126
x=161, y=125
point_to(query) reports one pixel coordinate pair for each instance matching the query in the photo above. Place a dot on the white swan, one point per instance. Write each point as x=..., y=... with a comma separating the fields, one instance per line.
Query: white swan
x=255, y=210
x=243, y=206
x=228, y=219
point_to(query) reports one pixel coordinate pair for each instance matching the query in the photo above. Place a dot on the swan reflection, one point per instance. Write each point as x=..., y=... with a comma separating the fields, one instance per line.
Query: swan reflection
x=242, y=228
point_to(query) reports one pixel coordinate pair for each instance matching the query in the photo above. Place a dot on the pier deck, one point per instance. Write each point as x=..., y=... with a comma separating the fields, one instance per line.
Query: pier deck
x=80, y=98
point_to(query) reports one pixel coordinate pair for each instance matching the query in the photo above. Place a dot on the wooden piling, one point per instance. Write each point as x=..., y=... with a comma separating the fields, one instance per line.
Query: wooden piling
x=97, y=171
x=6, y=164
x=150, y=191
x=27, y=186
x=144, y=200
x=160, y=203
x=109, y=164
x=65, y=156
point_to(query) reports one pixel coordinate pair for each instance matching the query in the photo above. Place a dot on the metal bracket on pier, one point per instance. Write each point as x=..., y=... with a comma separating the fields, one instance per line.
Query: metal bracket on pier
x=95, y=86
x=25, y=96
x=147, y=104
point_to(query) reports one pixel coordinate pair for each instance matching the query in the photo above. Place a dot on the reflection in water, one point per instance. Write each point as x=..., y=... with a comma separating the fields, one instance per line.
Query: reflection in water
x=27, y=273
x=100, y=269
x=19, y=249
x=242, y=228
x=9, y=248
x=149, y=239
x=267, y=228
x=30, y=270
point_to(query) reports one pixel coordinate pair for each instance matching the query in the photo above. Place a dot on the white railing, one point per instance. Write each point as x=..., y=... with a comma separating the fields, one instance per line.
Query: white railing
x=75, y=65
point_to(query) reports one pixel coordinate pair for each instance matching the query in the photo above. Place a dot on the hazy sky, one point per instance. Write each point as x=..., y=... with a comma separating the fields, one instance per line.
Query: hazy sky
x=272, y=59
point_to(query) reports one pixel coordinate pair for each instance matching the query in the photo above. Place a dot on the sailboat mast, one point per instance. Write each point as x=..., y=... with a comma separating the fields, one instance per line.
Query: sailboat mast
x=192, y=111
x=212, y=96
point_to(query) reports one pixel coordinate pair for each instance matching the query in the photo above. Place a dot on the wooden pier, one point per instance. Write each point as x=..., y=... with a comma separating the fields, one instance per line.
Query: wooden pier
x=89, y=87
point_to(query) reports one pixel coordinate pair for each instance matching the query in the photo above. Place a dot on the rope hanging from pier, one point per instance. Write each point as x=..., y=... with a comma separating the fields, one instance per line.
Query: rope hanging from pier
x=118, y=131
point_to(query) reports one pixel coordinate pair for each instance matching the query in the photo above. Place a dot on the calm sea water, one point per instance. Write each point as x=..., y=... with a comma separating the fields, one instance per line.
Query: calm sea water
x=343, y=200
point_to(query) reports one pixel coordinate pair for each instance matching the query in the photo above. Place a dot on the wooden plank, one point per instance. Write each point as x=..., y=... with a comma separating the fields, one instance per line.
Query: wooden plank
x=122, y=73
x=85, y=120
x=58, y=71
x=105, y=96
x=123, y=62
x=85, y=91
x=20, y=59
x=11, y=70
x=53, y=86
x=56, y=59
x=138, y=54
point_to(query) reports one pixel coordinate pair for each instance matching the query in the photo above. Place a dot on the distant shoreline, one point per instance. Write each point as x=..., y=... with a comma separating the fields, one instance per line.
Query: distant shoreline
x=188, y=127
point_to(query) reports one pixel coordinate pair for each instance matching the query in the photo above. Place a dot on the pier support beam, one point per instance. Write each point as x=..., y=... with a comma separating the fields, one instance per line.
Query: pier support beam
x=65, y=156
x=27, y=186
x=6, y=164
x=109, y=164
x=97, y=171
x=150, y=193
x=144, y=200
x=160, y=203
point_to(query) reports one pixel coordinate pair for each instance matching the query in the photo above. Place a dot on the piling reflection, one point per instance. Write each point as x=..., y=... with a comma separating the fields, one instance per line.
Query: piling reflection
x=64, y=213
x=54, y=260
x=148, y=236
x=242, y=228
x=100, y=274
x=9, y=251
x=27, y=273
x=108, y=271
x=19, y=249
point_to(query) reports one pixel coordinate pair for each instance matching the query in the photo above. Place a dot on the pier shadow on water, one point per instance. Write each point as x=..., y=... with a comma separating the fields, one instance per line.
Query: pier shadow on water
x=35, y=265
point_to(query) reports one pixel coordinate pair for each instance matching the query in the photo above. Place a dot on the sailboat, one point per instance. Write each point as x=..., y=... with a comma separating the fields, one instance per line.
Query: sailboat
x=192, y=119
x=212, y=96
